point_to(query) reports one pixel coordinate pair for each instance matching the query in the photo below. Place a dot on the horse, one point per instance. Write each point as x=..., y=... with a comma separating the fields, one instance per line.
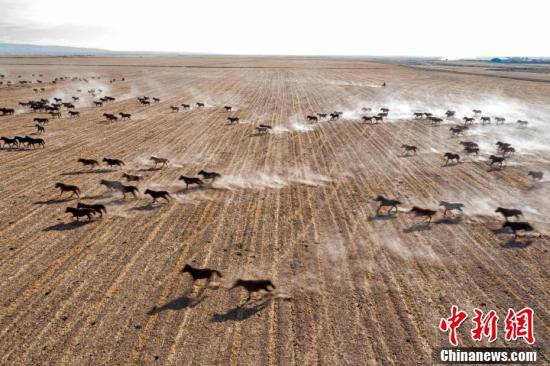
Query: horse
x=485, y=120
x=262, y=128
x=468, y=120
x=74, y=113
x=201, y=273
x=128, y=189
x=451, y=157
x=408, y=149
x=163, y=161
x=185, y=106
x=200, y=105
x=39, y=128
x=423, y=212
x=518, y=226
x=232, y=120
x=386, y=202
x=457, y=130
x=334, y=116
x=509, y=212
x=156, y=100
x=113, y=162
x=385, y=110
x=476, y=111
x=253, y=286
x=33, y=142
x=125, y=115
x=227, y=108
x=499, y=160
x=98, y=103
x=96, y=208
x=436, y=120
x=131, y=178
x=9, y=141
x=507, y=150
x=190, y=180
x=75, y=191
x=158, y=194
x=522, y=123
x=312, y=118
x=535, y=175
x=174, y=108
x=367, y=118
x=321, y=115
x=418, y=114
x=209, y=175
x=450, y=206
x=378, y=119
x=80, y=212
x=450, y=114
x=500, y=120
x=110, y=117
x=502, y=145
x=90, y=162
x=471, y=150
x=40, y=120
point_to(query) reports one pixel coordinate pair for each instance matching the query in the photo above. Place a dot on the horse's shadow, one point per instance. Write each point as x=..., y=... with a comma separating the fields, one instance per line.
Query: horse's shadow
x=515, y=244
x=90, y=171
x=418, y=228
x=147, y=207
x=53, y=201
x=379, y=217
x=239, y=313
x=189, y=190
x=180, y=303
x=62, y=226
x=494, y=169
x=116, y=202
x=449, y=221
x=97, y=196
x=152, y=169
x=449, y=165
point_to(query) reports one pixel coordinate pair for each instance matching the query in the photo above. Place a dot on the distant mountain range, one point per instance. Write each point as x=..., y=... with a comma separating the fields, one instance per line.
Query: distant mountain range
x=29, y=49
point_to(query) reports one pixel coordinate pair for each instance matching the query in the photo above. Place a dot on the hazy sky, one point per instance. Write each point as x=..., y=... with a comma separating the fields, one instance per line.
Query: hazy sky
x=463, y=28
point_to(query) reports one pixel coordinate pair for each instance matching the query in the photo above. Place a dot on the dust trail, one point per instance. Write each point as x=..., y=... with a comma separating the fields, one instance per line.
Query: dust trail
x=293, y=124
x=260, y=180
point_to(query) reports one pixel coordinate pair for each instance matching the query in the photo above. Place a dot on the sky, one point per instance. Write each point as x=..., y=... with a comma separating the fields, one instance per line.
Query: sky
x=450, y=29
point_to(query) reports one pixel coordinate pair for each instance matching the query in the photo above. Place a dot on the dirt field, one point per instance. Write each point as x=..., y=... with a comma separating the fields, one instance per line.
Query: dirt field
x=294, y=206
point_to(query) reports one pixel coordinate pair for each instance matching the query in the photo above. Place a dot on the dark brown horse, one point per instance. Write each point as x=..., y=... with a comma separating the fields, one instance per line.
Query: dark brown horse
x=88, y=162
x=190, y=180
x=158, y=194
x=423, y=212
x=254, y=286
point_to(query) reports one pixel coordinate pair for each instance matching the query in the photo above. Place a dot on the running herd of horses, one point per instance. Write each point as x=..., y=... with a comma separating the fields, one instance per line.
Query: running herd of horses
x=127, y=185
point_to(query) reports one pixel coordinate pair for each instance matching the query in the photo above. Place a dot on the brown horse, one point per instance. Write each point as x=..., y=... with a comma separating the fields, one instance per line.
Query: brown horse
x=80, y=212
x=88, y=162
x=191, y=180
x=158, y=194
x=254, y=286
x=68, y=188
x=423, y=212
x=451, y=157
